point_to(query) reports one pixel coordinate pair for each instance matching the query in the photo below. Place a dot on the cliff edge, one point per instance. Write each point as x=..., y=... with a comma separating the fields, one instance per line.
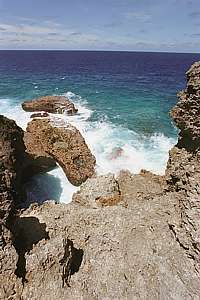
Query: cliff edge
x=145, y=245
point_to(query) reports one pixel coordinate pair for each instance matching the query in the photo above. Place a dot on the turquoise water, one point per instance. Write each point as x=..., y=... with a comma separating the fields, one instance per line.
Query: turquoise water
x=123, y=100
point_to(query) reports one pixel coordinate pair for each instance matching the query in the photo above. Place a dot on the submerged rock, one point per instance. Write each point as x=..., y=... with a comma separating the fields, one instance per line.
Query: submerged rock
x=116, y=153
x=40, y=115
x=98, y=191
x=50, y=104
x=65, y=145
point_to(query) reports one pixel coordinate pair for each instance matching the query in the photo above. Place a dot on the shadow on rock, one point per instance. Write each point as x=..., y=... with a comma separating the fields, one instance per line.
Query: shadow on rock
x=27, y=231
x=71, y=261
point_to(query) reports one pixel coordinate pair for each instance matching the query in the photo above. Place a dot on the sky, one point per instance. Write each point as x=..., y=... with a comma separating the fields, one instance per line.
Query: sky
x=126, y=25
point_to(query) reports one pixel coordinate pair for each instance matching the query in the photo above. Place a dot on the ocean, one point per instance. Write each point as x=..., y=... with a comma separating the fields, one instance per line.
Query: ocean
x=124, y=99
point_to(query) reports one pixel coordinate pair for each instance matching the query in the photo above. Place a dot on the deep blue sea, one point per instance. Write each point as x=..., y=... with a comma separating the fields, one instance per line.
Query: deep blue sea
x=123, y=99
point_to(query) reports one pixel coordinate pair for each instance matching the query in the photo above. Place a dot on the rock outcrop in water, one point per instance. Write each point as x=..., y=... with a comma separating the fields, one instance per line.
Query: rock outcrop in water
x=40, y=115
x=65, y=145
x=50, y=104
x=146, y=246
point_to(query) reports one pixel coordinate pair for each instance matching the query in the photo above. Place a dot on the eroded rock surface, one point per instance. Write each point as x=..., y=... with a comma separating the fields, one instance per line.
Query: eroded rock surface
x=146, y=246
x=117, y=252
x=99, y=191
x=12, y=151
x=50, y=104
x=183, y=170
x=11, y=163
x=65, y=145
x=186, y=113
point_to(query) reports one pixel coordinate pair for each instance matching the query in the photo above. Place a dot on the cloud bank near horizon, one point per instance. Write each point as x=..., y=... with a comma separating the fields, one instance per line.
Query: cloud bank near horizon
x=107, y=25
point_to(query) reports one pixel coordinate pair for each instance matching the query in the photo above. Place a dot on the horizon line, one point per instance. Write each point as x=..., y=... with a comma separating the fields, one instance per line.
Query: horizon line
x=96, y=50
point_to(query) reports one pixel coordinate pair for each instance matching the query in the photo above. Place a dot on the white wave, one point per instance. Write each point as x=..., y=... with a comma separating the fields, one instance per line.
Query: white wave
x=134, y=152
x=52, y=185
x=137, y=152
x=115, y=147
x=14, y=111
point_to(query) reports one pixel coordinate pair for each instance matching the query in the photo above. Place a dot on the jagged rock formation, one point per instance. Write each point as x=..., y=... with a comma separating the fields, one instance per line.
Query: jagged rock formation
x=11, y=164
x=186, y=113
x=17, y=235
x=98, y=191
x=144, y=247
x=65, y=145
x=183, y=170
x=50, y=104
x=117, y=252
x=11, y=161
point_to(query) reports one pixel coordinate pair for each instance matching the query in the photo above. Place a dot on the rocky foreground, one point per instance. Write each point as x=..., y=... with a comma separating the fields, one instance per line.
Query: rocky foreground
x=130, y=237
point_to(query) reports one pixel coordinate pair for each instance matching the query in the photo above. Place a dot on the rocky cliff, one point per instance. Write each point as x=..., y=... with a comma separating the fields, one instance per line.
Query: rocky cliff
x=183, y=169
x=12, y=158
x=12, y=151
x=130, y=237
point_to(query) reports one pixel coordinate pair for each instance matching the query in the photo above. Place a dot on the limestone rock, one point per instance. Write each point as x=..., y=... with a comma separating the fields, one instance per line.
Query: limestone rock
x=40, y=161
x=65, y=145
x=50, y=104
x=12, y=151
x=183, y=168
x=112, y=253
x=186, y=113
x=147, y=246
x=10, y=285
x=98, y=191
x=11, y=164
x=139, y=186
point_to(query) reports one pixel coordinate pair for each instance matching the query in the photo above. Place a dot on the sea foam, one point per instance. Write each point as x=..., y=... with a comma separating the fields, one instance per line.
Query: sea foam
x=114, y=146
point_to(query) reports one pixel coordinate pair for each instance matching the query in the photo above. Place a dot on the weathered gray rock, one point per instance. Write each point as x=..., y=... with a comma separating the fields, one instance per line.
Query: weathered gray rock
x=99, y=191
x=12, y=151
x=10, y=285
x=117, y=252
x=183, y=169
x=186, y=113
x=144, y=247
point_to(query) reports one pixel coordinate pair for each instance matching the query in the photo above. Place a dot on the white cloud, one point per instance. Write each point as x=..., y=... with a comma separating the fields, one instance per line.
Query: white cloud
x=140, y=16
x=46, y=34
x=28, y=29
